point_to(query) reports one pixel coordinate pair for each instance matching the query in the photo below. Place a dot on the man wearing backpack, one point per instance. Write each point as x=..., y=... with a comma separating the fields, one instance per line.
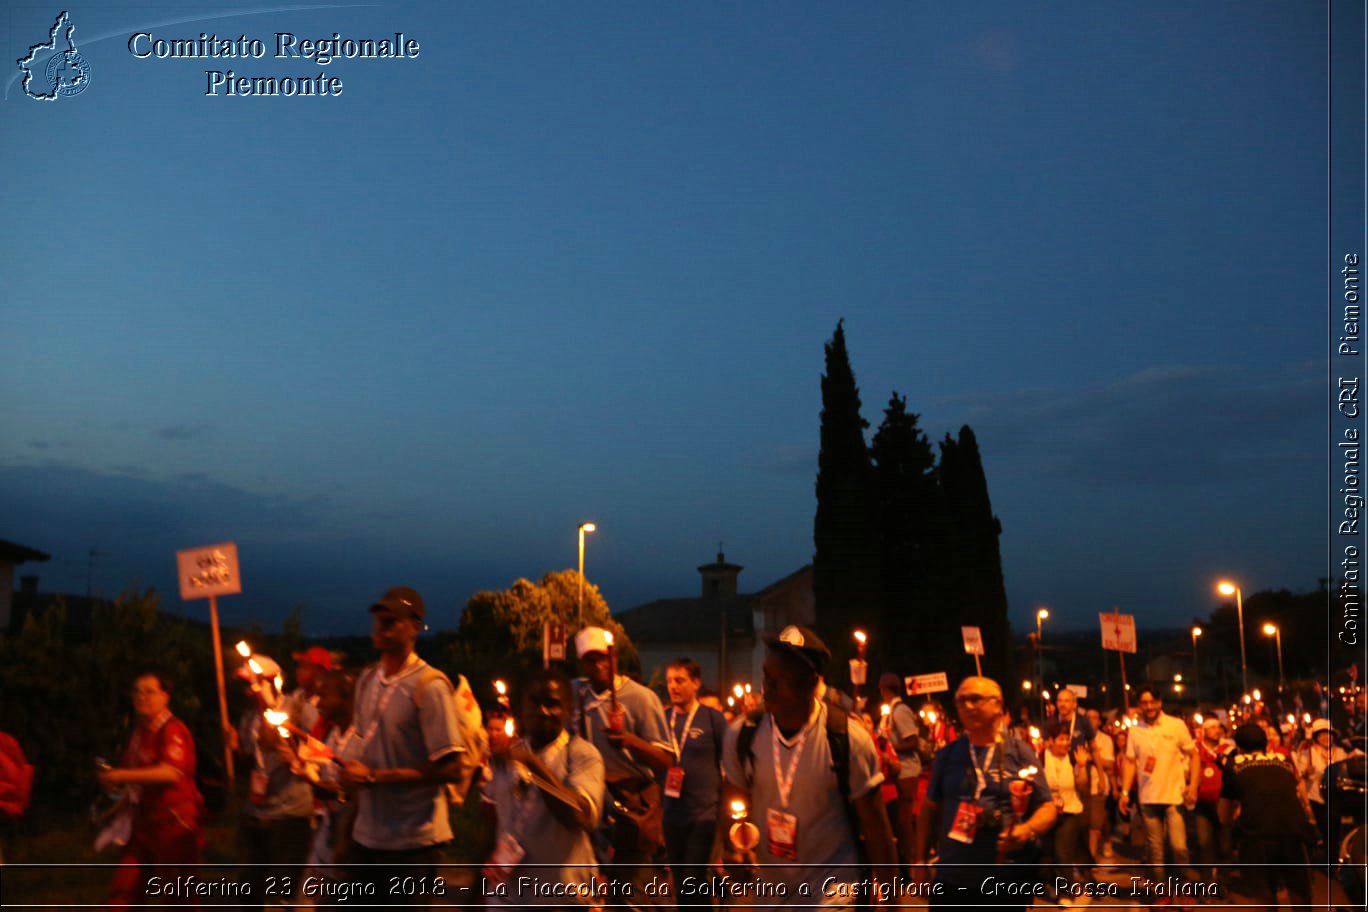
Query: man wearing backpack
x=809, y=776
x=905, y=733
x=404, y=748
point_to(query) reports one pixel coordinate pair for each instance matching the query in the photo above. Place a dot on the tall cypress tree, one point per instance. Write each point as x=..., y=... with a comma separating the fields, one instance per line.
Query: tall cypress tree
x=973, y=558
x=908, y=504
x=847, y=564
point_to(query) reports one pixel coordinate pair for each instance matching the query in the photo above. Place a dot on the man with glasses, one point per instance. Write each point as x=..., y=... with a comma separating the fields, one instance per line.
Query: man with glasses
x=1161, y=752
x=987, y=803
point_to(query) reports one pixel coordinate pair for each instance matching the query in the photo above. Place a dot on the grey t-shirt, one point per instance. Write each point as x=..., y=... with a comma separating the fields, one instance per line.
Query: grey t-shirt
x=399, y=724
x=287, y=795
x=552, y=849
x=824, y=839
x=902, y=722
x=643, y=717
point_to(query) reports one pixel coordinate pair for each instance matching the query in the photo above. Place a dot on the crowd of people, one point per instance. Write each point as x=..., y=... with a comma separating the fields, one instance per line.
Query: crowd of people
x=598, y=793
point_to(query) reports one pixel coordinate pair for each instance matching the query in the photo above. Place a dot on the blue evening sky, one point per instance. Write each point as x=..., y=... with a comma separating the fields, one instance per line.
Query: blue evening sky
x=578, y=261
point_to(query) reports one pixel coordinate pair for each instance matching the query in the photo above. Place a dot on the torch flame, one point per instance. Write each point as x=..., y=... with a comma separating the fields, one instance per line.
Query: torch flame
x=608, y=637
x=1035, y=733
x=1306, y=718
x=931, y=717
x=509, y=726
x=279, y=684
x=738, y=810
x=284, y=732
x=243, y=649
x=276, y=717
x=254, y=665
x=1028, y=772
x=738, y=690
x=501, y=688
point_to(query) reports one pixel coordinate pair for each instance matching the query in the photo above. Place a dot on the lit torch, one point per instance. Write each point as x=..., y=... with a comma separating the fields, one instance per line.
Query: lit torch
x=509, y=727
x=743, y=834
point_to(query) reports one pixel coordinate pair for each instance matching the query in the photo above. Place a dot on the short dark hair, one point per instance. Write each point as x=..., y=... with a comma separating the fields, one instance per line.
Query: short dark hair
x=543, y=676
x=1250, y=738
x=1055, y=729
x=162, y=680
x=1151, y=690
x=689, y=666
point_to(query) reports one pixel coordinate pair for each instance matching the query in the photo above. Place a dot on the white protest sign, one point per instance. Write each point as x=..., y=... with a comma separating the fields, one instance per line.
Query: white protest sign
x=209, y=571
x=926, y=684
x=1118, y=631
x=973, y=640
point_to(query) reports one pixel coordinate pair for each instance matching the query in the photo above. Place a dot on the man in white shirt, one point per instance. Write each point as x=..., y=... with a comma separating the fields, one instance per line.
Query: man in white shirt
x=1161, y=752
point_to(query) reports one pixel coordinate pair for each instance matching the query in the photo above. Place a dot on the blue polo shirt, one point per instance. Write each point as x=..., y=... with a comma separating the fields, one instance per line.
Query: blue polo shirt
x=953, y=780
x=701, y=758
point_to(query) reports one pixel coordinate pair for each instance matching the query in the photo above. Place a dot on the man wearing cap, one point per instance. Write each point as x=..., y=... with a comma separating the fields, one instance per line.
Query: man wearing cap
x=405, y=746
x=277, y=820
x=1319, y=752
x=310, y=666
x=904, y=733
x=783, y=764
x=1261, y=796
x=626, y=722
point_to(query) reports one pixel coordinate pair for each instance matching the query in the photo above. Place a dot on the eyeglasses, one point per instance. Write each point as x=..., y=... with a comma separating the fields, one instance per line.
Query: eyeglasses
x=974, y=699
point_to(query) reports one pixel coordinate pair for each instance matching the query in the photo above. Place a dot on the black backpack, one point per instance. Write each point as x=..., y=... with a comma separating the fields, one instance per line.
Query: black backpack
x=838, y=737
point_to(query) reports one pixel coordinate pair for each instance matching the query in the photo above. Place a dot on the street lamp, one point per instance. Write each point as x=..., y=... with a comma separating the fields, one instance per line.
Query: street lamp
x=579, y=600
x=1196, y=674
x=1273, y=630
x=1041, y=615
x=1225, y=587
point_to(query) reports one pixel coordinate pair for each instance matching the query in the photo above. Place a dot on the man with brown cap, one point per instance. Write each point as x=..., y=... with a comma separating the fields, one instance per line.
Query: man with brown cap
x=404, y=747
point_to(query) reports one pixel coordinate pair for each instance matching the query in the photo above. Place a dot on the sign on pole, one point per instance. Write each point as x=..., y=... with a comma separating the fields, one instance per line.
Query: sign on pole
x=553, y=642
x=859, y=672
x=973, y=640
x=1079, y=690
x=926, y=684
x=208, y=573
x=1118, y=632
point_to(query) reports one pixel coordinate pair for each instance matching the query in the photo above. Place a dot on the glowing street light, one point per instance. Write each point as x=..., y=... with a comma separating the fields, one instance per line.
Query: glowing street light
x=1226, y=587
x=1196, y=673
x=1041, y=615
x=583, y=528
x=1273, y=630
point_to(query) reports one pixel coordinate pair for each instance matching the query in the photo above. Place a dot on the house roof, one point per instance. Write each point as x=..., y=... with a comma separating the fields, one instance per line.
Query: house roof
x=685, y=620
x=18, y=554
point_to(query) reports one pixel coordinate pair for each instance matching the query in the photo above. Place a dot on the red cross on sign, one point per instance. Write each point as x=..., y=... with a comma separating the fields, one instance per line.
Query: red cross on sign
x=1118, y=631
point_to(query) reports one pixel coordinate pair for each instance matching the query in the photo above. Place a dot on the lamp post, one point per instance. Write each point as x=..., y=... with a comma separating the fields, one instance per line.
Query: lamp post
x=1041, y=615
x=1225, y=587
x=583, y=528
x=1196, y=673
x=1273, y=630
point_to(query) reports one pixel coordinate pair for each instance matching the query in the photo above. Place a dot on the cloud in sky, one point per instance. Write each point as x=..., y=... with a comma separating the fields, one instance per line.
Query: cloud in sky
x=182, y=431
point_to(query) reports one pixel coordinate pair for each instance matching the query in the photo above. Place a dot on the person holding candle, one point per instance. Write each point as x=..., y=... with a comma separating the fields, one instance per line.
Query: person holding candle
x=408, y=745
x=904, y=732
x=808, y=773
x=547, y=788
x=626, y=722
x=987, y=802
x=277, y=820
x=158, y=773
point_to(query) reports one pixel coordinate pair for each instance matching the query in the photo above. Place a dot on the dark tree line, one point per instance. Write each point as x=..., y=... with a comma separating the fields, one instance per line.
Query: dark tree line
x=906, y=547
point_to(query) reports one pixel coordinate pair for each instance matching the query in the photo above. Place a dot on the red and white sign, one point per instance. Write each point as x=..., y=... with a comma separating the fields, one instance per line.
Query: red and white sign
x=973, y=640
x=205, y=572
x=1118, y=632
x=553, y=641
x=926, y=684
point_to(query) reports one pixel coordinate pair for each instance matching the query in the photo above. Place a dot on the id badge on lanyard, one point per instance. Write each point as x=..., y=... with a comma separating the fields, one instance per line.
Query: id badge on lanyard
x=783, y=834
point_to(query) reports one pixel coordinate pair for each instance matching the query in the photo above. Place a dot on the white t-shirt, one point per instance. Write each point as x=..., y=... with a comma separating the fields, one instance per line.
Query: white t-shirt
x=901, y=724
x=826, y=847
x=1161, y=753
x=1059, y=775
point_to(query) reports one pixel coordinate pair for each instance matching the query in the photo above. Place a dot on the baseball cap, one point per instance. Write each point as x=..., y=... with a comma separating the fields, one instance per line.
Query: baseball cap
x=1321, y=725
x=803, y=643
x=268, y=666
x=315, y=655
x=402, y=602
x=592, y=639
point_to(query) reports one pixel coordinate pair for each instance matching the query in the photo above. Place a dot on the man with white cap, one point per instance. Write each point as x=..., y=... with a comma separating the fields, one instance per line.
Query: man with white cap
x=1316, y=754
x=626, y=722
x=405, y=746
